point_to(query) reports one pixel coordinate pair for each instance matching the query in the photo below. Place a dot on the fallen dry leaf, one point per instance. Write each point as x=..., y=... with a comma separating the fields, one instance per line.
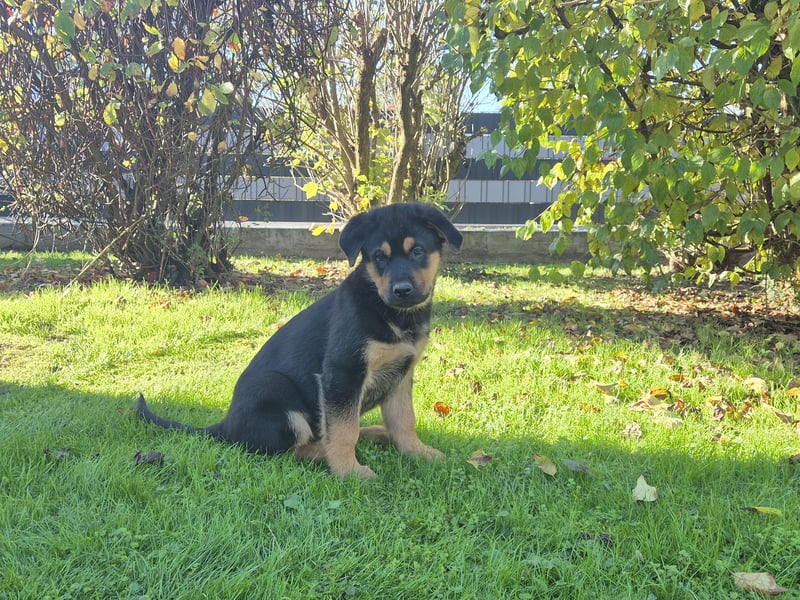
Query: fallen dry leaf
x=756, y=385
x=785, y=417
x=479, y=459
x=151, y=458
x=720, y=408
x=644, y=492
x=441, y=409
x=649, y=401
x=761, y=583
x=59, y=454
x=667, y=420
x=607, y=389
x=659, y=392
x=576, y=466
x=546, y=465
x=632, y=430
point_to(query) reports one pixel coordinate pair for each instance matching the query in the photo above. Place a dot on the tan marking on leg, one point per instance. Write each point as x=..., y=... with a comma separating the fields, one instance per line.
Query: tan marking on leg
x=310, y=451
x=408, y=244
x=375, y=433
x=340, y=448
x=300, y=426
x=398, y=416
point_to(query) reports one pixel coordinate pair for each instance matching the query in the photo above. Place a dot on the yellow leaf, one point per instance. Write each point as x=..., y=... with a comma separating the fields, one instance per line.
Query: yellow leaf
x=208, y=103
x=174, y=63
x=192, y=136
x=172, y=89
x=764, y=510
x=201, y=62
x=179, y=48
x=110, y=114
x=659, y=392
x=80, y=23
x=310, y=189
x=474, y=40
x=644, y=492
x=25, y=10
x=793, y=392
x=546, y=465
x=318, y=230
x=756, y=385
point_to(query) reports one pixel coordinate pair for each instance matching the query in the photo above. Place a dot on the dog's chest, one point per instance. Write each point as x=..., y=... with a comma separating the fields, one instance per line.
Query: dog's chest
x=387, y=365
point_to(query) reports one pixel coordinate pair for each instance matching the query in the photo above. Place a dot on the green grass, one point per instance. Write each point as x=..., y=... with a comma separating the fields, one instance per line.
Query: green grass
x=515, y=360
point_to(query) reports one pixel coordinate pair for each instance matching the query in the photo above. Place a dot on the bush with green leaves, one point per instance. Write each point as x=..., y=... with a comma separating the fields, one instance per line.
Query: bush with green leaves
x=675, y=123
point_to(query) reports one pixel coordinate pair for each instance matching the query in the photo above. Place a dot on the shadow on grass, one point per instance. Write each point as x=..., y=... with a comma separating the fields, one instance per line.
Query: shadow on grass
x=78, y=448
x=700, y=329
x=38, y=420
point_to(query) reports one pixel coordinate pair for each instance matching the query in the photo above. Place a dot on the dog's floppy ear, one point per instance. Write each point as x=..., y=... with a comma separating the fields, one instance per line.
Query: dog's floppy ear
x=439, y=221
x=353, y=236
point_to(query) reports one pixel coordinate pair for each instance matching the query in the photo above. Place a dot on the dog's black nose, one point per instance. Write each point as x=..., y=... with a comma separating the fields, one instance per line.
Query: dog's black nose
x=402, y=289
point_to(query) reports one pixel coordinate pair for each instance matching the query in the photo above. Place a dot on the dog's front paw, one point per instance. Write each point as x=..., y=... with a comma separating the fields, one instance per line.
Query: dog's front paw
x=364, y=472
x=355, y=470
x=432, y=453
x=420, y=450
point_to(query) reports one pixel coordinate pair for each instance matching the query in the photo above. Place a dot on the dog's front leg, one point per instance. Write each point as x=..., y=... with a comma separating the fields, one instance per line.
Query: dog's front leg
x=398, y=416
x=341, y=435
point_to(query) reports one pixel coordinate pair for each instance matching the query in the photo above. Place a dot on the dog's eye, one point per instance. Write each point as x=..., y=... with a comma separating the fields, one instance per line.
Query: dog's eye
x=379, y=256
x=417, y=252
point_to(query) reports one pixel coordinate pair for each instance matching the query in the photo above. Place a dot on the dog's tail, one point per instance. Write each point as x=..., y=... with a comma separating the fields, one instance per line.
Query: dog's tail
x=149, y=417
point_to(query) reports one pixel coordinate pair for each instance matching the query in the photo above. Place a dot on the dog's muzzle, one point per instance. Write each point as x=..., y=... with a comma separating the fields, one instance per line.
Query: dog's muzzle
x=403, y=294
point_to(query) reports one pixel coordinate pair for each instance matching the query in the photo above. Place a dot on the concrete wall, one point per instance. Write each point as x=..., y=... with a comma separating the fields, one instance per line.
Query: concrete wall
x=495, y=244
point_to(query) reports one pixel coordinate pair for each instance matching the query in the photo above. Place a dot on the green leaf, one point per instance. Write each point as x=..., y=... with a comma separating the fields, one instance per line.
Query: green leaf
x=677, y=213
x=772, y=98
x=791, y=159
x=665, y=63
x=65, y=26
x=577, y=268
x=134, y=70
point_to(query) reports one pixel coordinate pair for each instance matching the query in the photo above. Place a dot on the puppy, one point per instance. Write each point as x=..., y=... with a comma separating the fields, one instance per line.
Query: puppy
x=353, y=350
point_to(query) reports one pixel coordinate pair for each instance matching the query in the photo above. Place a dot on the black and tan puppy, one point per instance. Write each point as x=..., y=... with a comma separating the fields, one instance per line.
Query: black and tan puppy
x=347, y=353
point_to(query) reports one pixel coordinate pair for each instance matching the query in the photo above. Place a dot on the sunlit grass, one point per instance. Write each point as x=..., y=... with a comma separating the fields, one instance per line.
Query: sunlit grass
x=516, y=361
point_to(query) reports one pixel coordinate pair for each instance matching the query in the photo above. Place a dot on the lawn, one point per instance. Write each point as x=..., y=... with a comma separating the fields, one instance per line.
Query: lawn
x=595, y=377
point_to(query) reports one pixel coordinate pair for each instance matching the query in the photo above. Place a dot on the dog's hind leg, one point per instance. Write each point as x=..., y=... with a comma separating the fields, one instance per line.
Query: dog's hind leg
x=375, y=433
x=267, y=415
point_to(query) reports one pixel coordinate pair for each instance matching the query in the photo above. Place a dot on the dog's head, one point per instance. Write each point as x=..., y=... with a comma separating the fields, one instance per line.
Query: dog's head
x=400, y=245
